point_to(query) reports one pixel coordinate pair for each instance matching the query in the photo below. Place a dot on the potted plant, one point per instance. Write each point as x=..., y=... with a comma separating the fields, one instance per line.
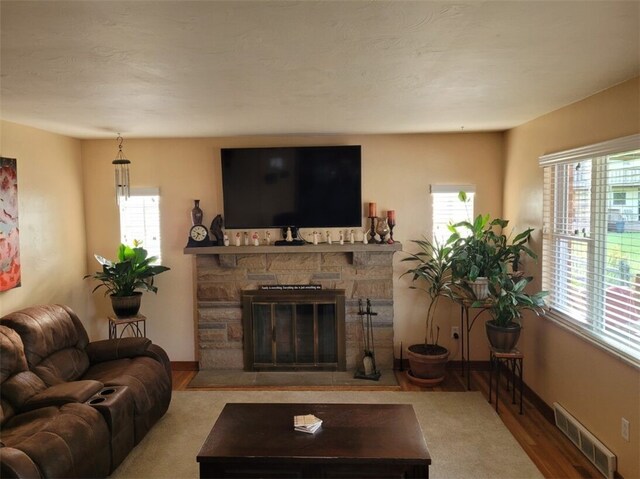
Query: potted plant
x=432, y=269
x=506, y=302
x=483, y=252
x=125, y=279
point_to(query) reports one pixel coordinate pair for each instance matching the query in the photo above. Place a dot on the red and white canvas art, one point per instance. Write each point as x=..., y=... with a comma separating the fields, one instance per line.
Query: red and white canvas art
x=9, y=232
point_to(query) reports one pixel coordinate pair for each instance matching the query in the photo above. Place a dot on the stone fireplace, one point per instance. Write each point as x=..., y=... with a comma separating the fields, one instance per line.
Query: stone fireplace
x=222, y=274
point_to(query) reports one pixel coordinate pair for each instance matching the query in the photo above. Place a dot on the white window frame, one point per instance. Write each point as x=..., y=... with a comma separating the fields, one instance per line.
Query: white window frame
x=148, y=201
x=588, y=322
x=442, y=211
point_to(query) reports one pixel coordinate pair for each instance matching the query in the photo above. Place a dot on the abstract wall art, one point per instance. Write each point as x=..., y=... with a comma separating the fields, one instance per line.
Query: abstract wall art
x=9, y=231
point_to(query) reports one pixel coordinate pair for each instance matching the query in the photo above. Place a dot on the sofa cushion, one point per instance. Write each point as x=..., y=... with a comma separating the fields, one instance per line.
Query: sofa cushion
x=67, y=441
x=54, y=341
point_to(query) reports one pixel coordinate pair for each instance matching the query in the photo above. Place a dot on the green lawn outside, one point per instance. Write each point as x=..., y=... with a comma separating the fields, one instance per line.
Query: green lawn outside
x=617, y=261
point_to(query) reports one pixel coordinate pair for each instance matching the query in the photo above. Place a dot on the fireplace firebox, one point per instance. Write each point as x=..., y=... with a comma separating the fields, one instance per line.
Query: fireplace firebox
x=294, y=330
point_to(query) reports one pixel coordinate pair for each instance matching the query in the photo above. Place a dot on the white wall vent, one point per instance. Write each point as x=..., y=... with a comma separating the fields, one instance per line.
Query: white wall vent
x=596, y=452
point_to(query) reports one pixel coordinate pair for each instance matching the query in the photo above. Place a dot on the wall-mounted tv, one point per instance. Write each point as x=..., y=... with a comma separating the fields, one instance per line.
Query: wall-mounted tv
x=305, y=187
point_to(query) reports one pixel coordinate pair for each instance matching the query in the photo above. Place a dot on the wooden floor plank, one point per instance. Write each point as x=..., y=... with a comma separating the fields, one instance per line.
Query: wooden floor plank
x=553, y=454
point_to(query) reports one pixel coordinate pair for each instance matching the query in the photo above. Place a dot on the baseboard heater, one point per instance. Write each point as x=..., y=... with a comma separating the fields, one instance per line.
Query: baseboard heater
x=596, y=452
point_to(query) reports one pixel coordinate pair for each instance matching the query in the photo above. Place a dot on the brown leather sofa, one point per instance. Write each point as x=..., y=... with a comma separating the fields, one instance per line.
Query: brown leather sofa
x=99, y=398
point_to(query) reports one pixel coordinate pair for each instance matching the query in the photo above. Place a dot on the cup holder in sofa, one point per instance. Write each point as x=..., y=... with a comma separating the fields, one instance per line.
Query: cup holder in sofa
x=97, y=400
x=107, y=392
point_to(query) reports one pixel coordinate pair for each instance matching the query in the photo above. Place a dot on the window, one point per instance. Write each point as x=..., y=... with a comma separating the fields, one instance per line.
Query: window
x=591, y=243
x=140, y=219
x=447, y=208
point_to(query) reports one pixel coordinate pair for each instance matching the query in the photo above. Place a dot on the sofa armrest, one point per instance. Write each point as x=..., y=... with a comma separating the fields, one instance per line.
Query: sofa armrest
x=160, y=355
x=110, y=349
x=16, y=464
x=63, y=393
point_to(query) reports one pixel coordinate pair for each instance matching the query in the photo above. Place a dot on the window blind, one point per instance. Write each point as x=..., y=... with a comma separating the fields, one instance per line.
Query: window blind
x=447, y=208
x=591, y=241
x=140, y=220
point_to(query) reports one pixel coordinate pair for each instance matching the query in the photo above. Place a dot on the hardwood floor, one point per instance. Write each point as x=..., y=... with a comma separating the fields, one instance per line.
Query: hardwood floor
x=548, y=448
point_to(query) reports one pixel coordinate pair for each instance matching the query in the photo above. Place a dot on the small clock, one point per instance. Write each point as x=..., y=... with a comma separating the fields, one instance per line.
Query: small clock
x=198, y=236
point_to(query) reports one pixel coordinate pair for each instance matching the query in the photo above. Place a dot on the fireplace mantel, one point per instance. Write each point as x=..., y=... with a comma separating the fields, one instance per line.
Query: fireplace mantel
x=311, y=248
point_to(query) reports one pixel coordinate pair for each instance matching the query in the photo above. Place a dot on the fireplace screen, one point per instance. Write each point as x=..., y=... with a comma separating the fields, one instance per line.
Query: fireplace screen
x=294, y=331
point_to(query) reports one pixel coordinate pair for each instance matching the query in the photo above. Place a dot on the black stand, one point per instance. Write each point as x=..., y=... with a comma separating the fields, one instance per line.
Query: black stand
x=369, y=349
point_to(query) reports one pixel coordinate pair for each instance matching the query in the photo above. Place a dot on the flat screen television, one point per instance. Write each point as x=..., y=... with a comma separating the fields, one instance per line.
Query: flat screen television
x=301, y=187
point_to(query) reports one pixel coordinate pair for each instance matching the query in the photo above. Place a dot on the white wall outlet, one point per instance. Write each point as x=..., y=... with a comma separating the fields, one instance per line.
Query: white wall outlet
x=455, y=332
x=624, y=430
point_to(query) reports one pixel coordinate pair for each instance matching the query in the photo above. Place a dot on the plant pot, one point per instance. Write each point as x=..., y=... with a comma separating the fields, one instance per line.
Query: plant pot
x=480, y=287
x=503, y=338
x=126, y=306
x=428, y=364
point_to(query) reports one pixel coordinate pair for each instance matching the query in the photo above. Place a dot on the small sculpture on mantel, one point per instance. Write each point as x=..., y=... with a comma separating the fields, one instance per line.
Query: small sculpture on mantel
x=365, y=240
x=341, y=237
x=329, y=239
x=216, y=230
x=226, y=239
x=267, y=238
x=238, y=238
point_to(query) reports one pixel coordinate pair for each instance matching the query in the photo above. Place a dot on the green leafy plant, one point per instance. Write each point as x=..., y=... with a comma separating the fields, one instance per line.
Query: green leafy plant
x=132, y=272
x=508, y=299
x=481, y=249
x=433, y=270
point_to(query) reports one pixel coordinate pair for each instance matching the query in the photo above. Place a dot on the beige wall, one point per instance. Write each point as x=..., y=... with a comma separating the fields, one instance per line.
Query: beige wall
x=397, y=171
x=51, y=218
x=594, y=386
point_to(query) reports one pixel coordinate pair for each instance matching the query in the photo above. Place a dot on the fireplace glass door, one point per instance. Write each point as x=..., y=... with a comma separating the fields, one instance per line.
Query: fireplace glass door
x=294, y=333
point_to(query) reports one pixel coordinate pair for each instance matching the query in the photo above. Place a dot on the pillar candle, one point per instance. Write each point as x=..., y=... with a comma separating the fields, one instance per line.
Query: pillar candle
x=391, y=216
x=373, y=210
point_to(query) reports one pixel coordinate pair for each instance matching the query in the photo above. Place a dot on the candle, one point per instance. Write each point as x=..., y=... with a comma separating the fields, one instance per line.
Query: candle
x=373, y=210
x=391, y=217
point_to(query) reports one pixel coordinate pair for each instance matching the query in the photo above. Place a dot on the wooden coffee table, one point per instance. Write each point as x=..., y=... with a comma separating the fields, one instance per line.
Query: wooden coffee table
x=355, y=440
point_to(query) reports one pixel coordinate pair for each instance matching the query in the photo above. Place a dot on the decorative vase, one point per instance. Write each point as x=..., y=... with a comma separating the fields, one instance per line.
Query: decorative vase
x=382, y=228
x=126, y=306
x=503, y=338
x=196, y=213
x=428, y=364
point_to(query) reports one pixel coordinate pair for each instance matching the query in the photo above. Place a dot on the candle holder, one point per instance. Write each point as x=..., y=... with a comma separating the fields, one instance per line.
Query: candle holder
x=382, y=228
x=372, y=233
x=391, y=220
x=392, y=223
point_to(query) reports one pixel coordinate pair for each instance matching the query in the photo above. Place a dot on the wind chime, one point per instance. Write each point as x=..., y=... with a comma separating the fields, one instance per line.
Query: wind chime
x=122, y=173
x=369, y=359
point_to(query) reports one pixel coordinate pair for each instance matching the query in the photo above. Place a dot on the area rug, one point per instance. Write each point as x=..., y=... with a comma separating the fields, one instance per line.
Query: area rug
x=229, y=379
x=465, y=437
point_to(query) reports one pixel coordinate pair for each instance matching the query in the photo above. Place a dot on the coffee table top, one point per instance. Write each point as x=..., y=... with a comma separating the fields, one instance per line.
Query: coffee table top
x=356, y=432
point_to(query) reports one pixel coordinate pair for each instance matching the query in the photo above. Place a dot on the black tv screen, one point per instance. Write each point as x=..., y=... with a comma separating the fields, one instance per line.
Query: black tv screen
x=305, y=187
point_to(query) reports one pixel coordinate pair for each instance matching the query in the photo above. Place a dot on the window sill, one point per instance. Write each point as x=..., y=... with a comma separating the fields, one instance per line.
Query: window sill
x=594, y=340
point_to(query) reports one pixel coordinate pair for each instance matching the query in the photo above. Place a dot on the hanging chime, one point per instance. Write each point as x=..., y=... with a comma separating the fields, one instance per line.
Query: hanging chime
x=121, y=173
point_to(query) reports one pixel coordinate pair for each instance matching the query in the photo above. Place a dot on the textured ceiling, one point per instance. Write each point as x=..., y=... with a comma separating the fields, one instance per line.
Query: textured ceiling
x=184, y=69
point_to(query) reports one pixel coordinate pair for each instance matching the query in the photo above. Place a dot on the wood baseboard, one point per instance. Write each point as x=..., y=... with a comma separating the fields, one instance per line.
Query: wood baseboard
x=184, y=366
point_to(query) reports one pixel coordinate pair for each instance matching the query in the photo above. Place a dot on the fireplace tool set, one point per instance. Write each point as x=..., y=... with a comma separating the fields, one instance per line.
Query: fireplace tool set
x=369, y=370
